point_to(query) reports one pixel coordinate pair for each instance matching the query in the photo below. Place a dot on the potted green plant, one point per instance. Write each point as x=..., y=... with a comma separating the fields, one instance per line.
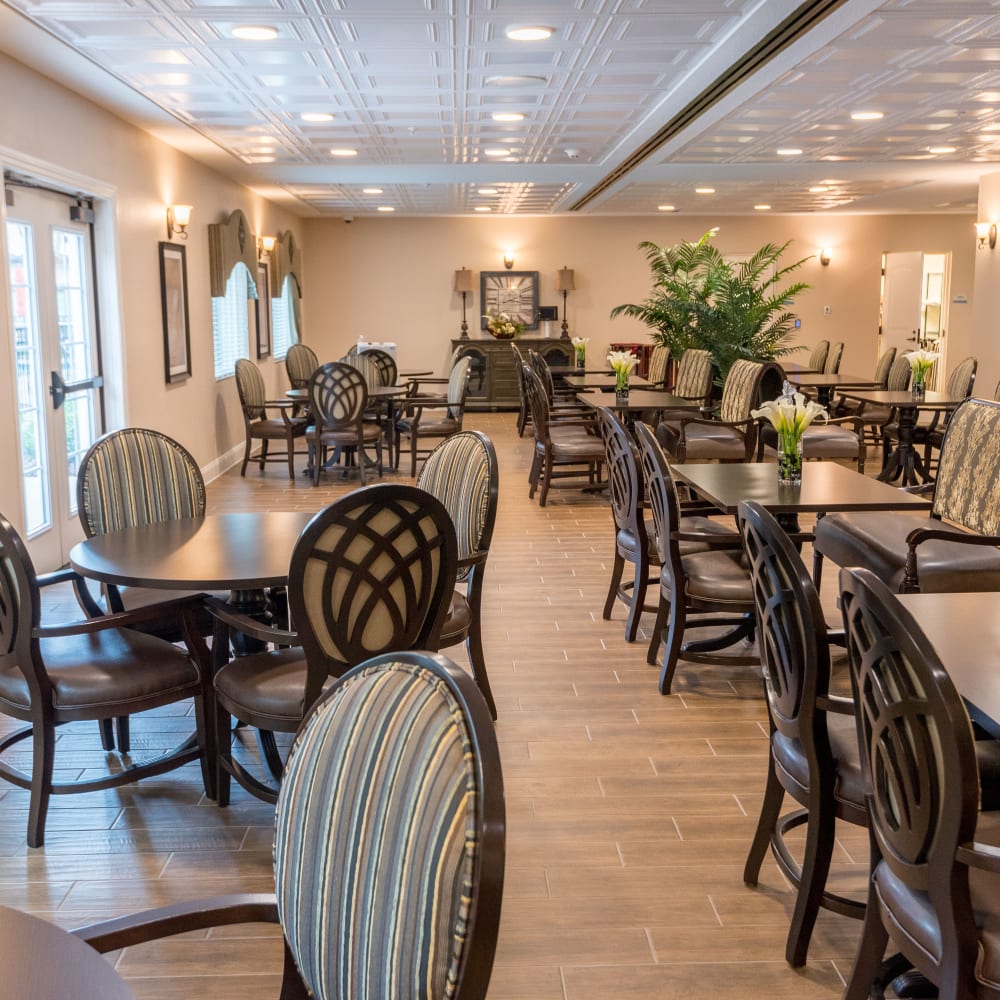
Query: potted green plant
x=732, y=309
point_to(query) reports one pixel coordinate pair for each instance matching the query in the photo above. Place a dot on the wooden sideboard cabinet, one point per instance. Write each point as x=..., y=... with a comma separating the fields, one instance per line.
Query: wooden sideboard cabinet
x=493, y=378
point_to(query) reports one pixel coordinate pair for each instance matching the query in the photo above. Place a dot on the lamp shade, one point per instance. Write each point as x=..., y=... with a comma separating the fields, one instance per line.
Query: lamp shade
x=564, y=280
x=463, y=280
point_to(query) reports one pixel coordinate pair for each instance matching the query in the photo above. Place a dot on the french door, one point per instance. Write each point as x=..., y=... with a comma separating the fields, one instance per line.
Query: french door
x=59, y=401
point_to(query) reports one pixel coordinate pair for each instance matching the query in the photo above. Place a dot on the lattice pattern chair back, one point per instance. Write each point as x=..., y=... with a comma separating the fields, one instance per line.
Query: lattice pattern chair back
x=371, y=573
x=462, y=472
x=661, y=495
x=338, y=395
x=538, y=402
x=458, y=387
x=135, y=476
x=300, y=363
x=740, y=390
x=694, y=374
x=817, y=360
x=20, y=610
x=624, y=478
x=250, y=386
x=832, y=366
x=962, y=378
x=968, y=483
x=899, y=375
x=658, y=359
x=541, y=368
x=411, y=818
x=385, y=365
x=884, y=365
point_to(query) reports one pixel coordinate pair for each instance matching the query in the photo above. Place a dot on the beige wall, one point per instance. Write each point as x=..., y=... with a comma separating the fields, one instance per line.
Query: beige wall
x=391, y=279
x=985, y=335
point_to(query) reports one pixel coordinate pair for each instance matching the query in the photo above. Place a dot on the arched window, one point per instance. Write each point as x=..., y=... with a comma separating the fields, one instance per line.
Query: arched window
x=231, y=321
x=285, y=317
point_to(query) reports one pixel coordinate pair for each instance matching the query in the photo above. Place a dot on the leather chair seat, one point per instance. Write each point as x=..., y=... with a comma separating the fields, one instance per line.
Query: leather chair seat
x=706, y=440
x=439, y=428
x=921, y=927
x=278, y=429
x=117, y=665
x=583, y=448
x=829, y=442
x=369, y=434
x=269, y=685
x=790, y=757
x=719, y=575
x=877, y=541
x=459, y=621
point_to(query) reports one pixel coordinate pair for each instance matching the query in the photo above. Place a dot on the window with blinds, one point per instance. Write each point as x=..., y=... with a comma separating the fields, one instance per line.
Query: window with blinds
x=231, y=321
x=285, y=330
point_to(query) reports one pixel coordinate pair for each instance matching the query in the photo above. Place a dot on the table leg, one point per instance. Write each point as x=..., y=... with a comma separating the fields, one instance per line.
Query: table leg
x=904, y=460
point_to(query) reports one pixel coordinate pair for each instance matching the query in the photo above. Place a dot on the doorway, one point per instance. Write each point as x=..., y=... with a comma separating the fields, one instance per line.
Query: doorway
x=60, y=408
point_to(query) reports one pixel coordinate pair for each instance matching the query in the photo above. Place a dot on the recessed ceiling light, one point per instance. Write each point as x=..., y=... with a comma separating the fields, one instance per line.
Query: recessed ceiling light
x=867, y=116
x=819, y=189
x=704, y=190
x=343, y=152
x=789, y=151
x=262, y=159
x=316, y=116
x=497, y=151
x=255, y=32
x=665, y=208
x=386, y=208
x=483, y=208
x=507, y=116
x=530, y=33
x=515, y=81
x=371, y=190
x=762, y=208
x=941, y=150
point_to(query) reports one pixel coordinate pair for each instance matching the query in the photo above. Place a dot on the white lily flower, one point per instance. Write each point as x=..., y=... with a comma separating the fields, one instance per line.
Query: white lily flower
x=790, y=415
x=579, y=342
x=921, y=361
x=622, y=361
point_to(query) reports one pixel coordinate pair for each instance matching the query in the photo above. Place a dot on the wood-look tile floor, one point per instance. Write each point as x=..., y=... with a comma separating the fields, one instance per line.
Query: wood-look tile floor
x=628, y=814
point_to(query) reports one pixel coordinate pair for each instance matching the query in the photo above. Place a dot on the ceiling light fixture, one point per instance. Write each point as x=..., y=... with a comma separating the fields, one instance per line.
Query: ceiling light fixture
x=666, y=208
x=386, y=208
x=316, y=117
x=496, y=151
x=371, y=190
x=516, y=81
x=255, y=32
x=530, y=33
x=942, y=150
x=789, y=151
x=507, y=116
x=704, y=190
x=343, y=152
x=483, y=208
x=986, y=232
x=762, y=208
x=818, y=189
x=178, y=219
x=867, y=116
x=487, y=191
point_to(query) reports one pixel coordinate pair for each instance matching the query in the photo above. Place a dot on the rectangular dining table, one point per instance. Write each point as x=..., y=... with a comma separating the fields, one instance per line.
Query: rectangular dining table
x=824, y=383
x=603, y=381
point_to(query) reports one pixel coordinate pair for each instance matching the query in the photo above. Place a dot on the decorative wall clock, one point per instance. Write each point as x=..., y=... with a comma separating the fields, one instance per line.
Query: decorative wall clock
x=513, y=292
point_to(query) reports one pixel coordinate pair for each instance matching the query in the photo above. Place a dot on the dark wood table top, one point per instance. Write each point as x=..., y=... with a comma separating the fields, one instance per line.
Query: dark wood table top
x=602, y=380
x=215, y=552
x=797, y=368
x=562, y=370
x=821, y=380
x=903, y=399
x=40, y=959
x=964, y=630
x=826, y=487
x=640, y=399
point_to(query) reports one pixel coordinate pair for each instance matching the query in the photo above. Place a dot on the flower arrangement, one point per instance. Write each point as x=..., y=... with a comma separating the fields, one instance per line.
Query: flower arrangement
x=622, y=362
x=790, y=414
x=503, y=326
x=580, y=350
x=921, y=363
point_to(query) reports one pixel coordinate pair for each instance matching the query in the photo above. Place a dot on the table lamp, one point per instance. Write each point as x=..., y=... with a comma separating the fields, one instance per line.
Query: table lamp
x=565, y=283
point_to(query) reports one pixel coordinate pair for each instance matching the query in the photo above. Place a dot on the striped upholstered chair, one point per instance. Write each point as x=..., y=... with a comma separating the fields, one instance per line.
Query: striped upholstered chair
x=659, y=359
x=300, y=363
x=694, y=382
x=414, y=823
x=286, y=426
x=462, y=472
x=817, y=360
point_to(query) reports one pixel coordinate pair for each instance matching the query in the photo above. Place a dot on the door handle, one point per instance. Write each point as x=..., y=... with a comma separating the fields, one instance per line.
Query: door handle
x=59, y=389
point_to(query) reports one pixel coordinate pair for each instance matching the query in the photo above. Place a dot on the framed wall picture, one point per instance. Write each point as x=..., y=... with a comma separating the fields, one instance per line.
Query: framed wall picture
x=263, y=310
x=513, y=292
x=174, y=301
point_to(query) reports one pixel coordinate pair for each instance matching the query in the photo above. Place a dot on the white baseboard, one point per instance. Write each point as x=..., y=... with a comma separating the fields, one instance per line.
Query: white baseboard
x=224, y=462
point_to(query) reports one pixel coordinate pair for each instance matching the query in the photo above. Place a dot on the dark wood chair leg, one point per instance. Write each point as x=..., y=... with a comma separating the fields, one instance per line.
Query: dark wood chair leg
x=871, y=948
x=675, y=634
x=246, y=455
x=639, y=585
x=43, y=738
x=122, y=734
x=617, y=569
x=657, y=637
x=107, y=734
x=770, y=810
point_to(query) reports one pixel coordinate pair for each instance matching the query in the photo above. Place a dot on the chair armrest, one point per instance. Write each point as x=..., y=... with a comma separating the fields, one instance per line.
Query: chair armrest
x=911, y=579
x=177, y=918
x=835, y=704
x=985, y=857
x=249, y=626
x=120, y=619
x=84, y=597
x=57, y=576
x=713, y=539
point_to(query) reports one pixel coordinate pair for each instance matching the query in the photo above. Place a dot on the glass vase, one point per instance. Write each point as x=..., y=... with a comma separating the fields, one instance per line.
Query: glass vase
x=789, y=460
x=621, y=386
x=581, y=357
x=918, y=387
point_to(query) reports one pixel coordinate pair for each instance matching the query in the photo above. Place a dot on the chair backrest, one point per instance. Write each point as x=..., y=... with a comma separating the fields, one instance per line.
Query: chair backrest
x=694, y=374
x=250, y=386
x=541, y=368
x=20, y=614
x=368, y=366
x=371, y=573
x=832, y=366
x=962, y=378
x=338, y=395
x=817, y=360
x=458, y=386
x=624, y=478
x=538, y=402
x=967, y=490
x=742, y=386
x=919, y=765
x=385, y=365
x=390, y=836
x=463, y=473
x=795, y=652
x=884, y=365
x=300, y=363
x=661, y=495
x=136, y=476
x=658, y=359
x=899, y=375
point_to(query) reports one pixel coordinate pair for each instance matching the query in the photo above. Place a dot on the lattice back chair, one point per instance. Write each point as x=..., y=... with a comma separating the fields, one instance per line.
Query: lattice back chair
x=259, y=426
x=338, y=397
x=385, y=365
x=426, y=418
x=98, y=669
x=960, y=383
x=833, y=359
x=463, y=473
x=417, y=830
x=935, y=858
x=659, y=360
x=564, y=448
x=635, y=541
x=817, y=360
x=300, y=363
x=875, y=417
x=371, y=573
x=524, y=410
x=814, y=748
x=701, y=574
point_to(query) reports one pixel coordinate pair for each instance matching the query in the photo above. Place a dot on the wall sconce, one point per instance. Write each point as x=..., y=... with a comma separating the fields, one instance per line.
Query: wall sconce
x=565, y=282
x=463, y=284
x=986, y=231
x=178, y=219
x=508, y=259
x=825, y=256
x=265, y=245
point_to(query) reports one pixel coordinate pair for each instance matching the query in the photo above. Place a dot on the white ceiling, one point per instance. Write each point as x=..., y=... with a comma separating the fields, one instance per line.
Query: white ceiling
x=412, y=85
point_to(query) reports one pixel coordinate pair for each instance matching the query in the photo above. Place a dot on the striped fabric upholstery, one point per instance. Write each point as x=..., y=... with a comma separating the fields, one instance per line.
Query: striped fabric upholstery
x=832, y=366
x=300, y=363
x=899, y=375
x=818, y=357
x=250, y=386
x=366, y=365
x=968, y=483
x=458, y=381
x=962, y=378
x=658, y=364
x=694, y=376
x=739, y=390
x=457, y=472
x=376, y=839
x=135, y=476
x=884, y=366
